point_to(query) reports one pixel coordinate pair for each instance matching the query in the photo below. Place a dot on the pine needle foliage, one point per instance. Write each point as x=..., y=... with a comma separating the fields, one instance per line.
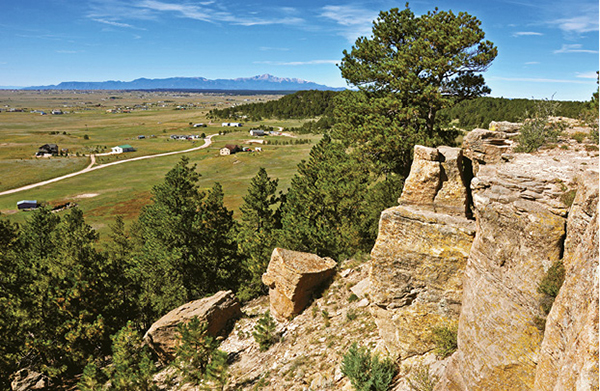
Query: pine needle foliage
x=264, y=332
x=368, y=372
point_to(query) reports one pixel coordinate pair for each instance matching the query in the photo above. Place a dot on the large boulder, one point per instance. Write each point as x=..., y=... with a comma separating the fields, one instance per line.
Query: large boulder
x=292, y=277
x=219, y=311
x=438, y=181
x=28, y=379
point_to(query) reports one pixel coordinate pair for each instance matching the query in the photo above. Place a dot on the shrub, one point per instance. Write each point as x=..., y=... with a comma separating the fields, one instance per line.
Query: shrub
x=536, y=130
x=352, y=298
x=549, y=287
x=198, y=358
x=368, y=372
x=420, y=379
x=264, y=332
x=445, y=339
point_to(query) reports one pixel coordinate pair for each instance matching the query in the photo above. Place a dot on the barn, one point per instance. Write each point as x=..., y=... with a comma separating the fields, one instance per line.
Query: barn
x=27, y=204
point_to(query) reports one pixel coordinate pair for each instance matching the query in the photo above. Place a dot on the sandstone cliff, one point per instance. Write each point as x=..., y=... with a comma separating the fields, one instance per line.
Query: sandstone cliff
x=431, y=265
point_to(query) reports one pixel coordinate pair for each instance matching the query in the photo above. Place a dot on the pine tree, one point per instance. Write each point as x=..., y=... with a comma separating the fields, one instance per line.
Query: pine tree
x=325, y=205
x=256, y=231
x=264, y=332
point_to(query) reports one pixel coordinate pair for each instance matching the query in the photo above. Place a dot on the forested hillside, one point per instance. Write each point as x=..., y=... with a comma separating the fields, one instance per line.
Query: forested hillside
x=479, y=112
x=302, y=104
x=474, y=113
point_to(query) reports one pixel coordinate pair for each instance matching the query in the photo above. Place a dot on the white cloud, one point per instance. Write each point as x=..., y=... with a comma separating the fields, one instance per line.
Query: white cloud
x=112, y=23
x=573, y=48
x=354, y=21
x=532, y=63
x=579, y=24
x=526, y=33
x=204, y=12
x=296, y=63
x=586, y=75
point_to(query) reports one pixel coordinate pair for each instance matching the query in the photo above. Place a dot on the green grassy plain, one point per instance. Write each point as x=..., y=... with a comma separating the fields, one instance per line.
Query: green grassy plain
x=125, y=188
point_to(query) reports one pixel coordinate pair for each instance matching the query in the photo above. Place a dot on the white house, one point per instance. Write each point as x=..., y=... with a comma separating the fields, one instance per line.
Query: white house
x=257, y=132
x=117, y=149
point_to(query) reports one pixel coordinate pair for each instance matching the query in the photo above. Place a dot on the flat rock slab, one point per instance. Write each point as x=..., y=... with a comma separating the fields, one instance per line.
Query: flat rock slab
x=292, y=277
x=219, y=311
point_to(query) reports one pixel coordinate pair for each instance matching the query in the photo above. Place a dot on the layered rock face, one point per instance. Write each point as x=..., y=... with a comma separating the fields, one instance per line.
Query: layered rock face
x=569, y=352
x=521, y=211
x=219, y=311
x=421, y=251
x=427, y=271
x=292, y=277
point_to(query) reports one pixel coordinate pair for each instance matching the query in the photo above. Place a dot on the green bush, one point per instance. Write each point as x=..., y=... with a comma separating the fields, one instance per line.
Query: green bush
x=537, y=130
x=551, y=283
x=420, y=379
x=197, y=356
x=445, y=339
x=132, y=366
x=368, y=372
x=264, y=332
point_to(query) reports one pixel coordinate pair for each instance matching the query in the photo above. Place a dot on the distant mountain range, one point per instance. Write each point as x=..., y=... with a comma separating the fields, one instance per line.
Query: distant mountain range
x=263, y=82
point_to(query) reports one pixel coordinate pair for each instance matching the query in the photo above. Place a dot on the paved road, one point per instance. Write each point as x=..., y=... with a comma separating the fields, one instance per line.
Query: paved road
x=91, y=167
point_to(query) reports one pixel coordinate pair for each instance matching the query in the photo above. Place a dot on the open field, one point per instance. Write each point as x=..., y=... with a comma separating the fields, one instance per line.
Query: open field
x=124, y=189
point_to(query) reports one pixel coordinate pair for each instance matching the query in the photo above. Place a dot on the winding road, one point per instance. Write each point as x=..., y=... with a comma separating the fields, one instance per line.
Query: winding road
x=92, y=167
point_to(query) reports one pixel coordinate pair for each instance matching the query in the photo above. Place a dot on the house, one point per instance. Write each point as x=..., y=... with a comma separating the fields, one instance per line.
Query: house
x=122, y=148
x=229, y=149
x=57, y=112
x=47, y=149
x=27, y=204
x=257, y=132
x=200, y=125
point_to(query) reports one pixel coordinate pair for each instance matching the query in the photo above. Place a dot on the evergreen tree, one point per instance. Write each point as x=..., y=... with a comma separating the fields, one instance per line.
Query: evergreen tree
x=185, y=247
x=409, y=69
x=256, y=231
x=325, y=205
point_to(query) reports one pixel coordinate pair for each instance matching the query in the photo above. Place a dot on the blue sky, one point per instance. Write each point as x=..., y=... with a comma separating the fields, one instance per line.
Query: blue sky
x=545, y=47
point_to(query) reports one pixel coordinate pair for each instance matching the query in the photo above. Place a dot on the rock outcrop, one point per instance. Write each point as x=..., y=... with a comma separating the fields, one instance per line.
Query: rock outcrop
x=292, y=277
x=420, y=255
x=428, y=271
x=219, y=311
x=521, y=207
x=486, y=147
x=569, y=351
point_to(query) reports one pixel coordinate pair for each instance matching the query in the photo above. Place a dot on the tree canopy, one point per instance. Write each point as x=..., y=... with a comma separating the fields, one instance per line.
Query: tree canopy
x=406, y=71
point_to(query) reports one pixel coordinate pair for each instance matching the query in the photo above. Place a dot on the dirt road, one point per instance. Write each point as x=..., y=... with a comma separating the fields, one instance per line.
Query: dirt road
x=92, y=167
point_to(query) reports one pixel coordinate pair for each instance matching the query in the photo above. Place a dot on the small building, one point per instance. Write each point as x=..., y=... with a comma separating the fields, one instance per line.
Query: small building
x=257, y=132
x=229, y=149
x=200, y=125
x=141, y=137
x=57, y=112
x=27, y=204
x=122, y=148
x=258, y=149
x=232, y=124
x=47, y=149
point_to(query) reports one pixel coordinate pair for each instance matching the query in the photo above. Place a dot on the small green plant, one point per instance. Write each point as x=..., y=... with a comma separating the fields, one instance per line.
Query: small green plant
x=368, y=372
x=420, y=379
x=568, y=197
x=351, y=315
x=537, y=129
x=445, y=340
x=264, y=332
x=325, y=315
x=197, y=356
x=549, y=287
x=352, y=298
